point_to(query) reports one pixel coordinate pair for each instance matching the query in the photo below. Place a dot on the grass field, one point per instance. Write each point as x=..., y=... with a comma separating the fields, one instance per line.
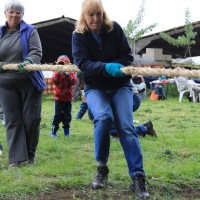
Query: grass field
x=65, y=167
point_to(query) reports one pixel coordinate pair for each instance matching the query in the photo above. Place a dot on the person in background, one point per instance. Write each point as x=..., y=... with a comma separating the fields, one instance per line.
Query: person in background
x=143, y=129
x=139, y=81
x=63, y=96
x=159, y=90
x=100, y=48
x=83, y=108
x=21, y=91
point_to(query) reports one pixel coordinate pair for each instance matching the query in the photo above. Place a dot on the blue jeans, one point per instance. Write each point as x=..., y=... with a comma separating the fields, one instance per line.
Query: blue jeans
x=140, y=130
x=82, y=110
x=115, y=106
x=136, y=102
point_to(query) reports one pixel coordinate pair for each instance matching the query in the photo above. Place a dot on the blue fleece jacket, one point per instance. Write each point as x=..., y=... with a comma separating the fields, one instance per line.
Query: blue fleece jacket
x=91, y=57
x=37, y=77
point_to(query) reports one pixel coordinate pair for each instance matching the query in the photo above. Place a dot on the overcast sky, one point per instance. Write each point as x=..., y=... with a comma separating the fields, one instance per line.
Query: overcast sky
x=167, y=13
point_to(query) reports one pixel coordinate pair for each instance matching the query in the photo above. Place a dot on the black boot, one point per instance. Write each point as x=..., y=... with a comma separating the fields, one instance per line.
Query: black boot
x=101, y=178
x=138, y=186
x=150, y=129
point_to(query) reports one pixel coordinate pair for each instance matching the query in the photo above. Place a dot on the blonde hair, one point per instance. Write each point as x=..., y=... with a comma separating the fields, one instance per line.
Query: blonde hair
x=89, y=6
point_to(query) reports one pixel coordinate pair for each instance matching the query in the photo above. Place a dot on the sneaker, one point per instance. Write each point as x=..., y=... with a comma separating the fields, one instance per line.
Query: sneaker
x=150, y=129
x=53, y=135
x=101, y=178
x=66, y=132
x=138, y=186
x=142, y=90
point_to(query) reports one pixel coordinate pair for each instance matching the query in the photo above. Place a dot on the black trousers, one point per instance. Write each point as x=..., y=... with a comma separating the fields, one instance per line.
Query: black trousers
x=21, y=104
x=62, y=113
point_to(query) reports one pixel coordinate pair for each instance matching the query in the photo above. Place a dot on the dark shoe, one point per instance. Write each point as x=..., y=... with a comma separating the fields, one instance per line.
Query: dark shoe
x=189, y=99
x=150, y=129
x=14, y=165
x=101, y=178
x=142, y=90
x=30, y=161
x=138, y=186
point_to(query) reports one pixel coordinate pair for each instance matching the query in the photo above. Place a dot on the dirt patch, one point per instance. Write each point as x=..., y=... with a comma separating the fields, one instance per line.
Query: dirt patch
x=190, y=192
x=84, y=195
x=184, y=193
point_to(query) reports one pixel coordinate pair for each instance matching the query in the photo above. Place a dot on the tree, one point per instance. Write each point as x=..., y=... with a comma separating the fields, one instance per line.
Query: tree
x=133, y=31
x=185, y=40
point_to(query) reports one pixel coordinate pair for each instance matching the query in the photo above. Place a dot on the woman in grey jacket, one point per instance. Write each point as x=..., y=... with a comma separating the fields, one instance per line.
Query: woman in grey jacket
x=21, y=92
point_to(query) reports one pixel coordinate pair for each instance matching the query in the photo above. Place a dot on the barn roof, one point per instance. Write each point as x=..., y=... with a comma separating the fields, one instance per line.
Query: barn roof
x=56, y=36
x=155, y=41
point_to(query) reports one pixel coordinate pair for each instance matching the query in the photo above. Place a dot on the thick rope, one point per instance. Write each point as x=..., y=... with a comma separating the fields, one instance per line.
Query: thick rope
x=126, y=70
x=161, y=71
x=45, y=67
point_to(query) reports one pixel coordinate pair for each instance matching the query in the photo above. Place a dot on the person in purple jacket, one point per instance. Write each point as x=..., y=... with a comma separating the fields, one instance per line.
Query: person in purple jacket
x=21, y=91
x=100, y=49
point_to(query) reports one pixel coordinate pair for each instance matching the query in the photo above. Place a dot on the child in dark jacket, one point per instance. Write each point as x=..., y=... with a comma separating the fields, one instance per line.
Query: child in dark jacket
x=63, y=96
